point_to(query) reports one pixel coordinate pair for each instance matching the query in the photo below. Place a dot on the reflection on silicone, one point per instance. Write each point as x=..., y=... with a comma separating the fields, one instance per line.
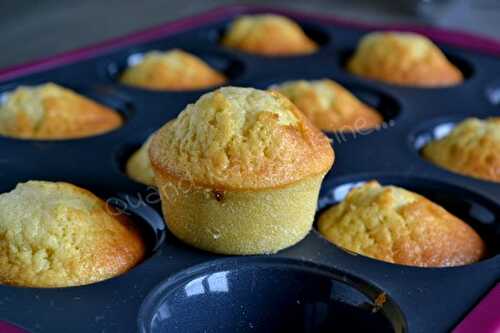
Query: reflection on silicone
x=485, y=317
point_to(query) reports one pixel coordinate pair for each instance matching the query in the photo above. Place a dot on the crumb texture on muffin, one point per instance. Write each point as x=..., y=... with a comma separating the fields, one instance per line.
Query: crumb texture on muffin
x=139, y=167
x=240, y=138
x=329, y=106
x=171, y=70
x=398, y=226
x=403, y=58
x=60, y=235
x=472, y=148
x=267, y=34
x=49, y=111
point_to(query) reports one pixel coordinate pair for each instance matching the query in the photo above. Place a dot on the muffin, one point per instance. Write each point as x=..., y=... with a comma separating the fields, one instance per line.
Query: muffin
x=139, y=167
x=239, y=172
x=270, y=35
x=55, y=234
x=403, y=58
x=171, y=70
x=51, y=112
x=329, y=106
x=472, y=149
x=398, y=226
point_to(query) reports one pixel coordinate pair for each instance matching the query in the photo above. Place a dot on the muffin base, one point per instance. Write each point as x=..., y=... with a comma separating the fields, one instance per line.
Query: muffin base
x=239, y=222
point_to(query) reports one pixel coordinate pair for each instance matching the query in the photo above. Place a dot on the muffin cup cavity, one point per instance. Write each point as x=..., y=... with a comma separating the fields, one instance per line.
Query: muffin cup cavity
x=267, y=295
x=147, y=219
x=479, y=212
x=224, y=63
x=492, y=93
x=433, y=130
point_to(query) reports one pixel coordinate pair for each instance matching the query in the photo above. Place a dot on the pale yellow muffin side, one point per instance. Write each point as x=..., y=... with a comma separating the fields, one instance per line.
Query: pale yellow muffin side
x=398, y=226
x=271, y=35
x=51, y=112
x=171, y=70
x=472, y=149
x=329, y=106
x=240, y=222
x=403, y=58
x=138, y=166
x=60, y=235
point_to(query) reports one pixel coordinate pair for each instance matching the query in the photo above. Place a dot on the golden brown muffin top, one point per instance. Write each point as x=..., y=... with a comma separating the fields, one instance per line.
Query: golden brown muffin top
x=472, y=148
x=268, y=34
x=60, y=235
x=403, y=58
x=171, y=70
x=329, y=106
x=398, y=226
x=51, y=112
x=240, y=138
x=139, y=167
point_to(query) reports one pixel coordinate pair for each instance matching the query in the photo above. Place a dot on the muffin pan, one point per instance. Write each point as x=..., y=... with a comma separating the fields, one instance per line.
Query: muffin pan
x=313, y=286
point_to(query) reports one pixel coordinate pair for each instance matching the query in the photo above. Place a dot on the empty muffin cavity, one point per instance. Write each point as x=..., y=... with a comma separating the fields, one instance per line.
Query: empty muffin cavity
x=112, y=109
x=230, y=67
x=267, y=294
x=477, y=211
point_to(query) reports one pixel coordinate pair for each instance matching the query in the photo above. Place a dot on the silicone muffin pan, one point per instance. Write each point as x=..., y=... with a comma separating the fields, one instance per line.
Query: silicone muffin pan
x=313, y=286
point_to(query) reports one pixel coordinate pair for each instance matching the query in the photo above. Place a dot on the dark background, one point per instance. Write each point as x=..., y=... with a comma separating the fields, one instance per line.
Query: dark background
x=34, y=29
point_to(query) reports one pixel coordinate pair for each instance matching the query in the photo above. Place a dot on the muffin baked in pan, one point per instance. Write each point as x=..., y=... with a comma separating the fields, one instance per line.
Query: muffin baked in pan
x=400, y=294
x=51, y=112
x=55, y=234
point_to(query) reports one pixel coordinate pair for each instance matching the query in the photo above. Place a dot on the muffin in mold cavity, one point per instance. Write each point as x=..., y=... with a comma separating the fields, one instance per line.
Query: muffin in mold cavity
x=470, y=147
x=176, y=70
x=51, y=112
x=392, y=224
x=269, y=35
x=329, y=106
x=55, y=234
x=403, y=58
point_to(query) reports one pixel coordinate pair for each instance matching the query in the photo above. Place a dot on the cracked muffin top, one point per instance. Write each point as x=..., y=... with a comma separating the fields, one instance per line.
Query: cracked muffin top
x=267, y=34
x=403, y=58
x=329, y=106
x=240, y=138
x=398, y=226
x=54, y=234
x=472, y=149
x=171, y=70
x=51, y=112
